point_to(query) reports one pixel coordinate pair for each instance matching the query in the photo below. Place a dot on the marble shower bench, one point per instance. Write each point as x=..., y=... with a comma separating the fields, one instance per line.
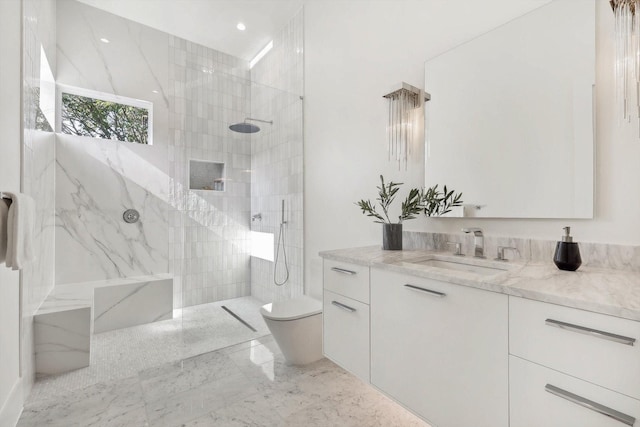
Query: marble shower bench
x=72, y=312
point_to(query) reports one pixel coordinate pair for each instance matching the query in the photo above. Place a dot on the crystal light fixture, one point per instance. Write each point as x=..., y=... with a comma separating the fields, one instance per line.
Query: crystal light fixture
x=627, y=60
x=406, y=113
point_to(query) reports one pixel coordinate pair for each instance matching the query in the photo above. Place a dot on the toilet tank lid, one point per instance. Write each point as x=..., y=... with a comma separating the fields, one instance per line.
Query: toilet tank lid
x=292, y=309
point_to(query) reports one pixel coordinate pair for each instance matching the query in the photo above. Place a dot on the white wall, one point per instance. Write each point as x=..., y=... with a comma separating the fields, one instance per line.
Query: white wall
x=354, y=53
x=10, y=129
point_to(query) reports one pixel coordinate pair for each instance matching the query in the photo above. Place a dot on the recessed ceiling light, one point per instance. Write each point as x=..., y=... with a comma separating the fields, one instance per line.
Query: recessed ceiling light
x=103, y=40
x=241, y=26
x=155, y=91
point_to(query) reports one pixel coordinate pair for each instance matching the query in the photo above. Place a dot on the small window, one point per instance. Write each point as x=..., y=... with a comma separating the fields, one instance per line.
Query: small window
x=99, y=115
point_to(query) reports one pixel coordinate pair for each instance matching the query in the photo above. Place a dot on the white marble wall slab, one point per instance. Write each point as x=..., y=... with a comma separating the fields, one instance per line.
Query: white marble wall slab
x=62, y=340
x=137, y=303
x=96, y=181
x=133, y=64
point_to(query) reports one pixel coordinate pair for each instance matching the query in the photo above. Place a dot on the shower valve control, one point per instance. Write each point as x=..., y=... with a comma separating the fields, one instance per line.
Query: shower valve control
x=131, y=216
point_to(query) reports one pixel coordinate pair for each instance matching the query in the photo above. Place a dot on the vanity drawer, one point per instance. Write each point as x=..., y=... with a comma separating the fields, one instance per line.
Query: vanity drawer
x=543, y=397
x=346, y=333
x=346, y=279
x=598, y=348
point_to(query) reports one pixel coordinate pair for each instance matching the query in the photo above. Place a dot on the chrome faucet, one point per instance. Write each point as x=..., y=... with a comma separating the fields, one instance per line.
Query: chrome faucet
x=500, y=256
x=478, y=240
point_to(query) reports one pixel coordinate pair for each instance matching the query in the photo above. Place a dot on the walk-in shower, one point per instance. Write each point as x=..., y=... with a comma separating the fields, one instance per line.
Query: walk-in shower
x=245, y=127
x=195, y=188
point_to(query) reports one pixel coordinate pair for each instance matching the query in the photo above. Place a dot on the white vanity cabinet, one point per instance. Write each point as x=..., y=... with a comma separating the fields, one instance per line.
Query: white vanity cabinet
x=594, y=360
x=462, y=356
x=346, y=316
x=440, y=349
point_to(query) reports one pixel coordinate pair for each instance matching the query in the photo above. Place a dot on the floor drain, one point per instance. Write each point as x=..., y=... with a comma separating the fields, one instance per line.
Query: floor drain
x=239, y=319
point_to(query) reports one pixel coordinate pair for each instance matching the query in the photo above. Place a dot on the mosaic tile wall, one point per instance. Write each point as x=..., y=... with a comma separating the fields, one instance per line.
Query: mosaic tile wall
x=277, y=161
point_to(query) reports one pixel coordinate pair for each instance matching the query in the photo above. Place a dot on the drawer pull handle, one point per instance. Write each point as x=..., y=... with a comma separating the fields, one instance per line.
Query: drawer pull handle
x=344, y=307
x=427, y=291
x=593, y=332
x=343, y=271
x=590, y=404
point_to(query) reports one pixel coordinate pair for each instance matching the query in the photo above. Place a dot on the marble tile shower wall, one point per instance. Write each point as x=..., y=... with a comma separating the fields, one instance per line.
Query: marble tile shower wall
x=283, y=67
x=39, y=34
x=277, y=176
x=97, y=179
x=277, y=160
x=209, y=230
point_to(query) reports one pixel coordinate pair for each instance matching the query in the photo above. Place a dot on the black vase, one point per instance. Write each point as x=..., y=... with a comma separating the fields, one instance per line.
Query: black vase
x=392, y=237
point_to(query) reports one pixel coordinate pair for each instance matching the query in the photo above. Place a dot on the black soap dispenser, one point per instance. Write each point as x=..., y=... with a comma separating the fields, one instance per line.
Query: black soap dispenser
x=567, y=256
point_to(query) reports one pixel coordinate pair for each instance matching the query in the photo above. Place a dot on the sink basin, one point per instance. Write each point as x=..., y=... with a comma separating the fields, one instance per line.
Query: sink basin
x=489, y=269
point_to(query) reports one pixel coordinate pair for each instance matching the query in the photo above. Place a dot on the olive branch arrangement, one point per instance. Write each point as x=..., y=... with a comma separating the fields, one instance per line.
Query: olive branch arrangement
x=430, y=201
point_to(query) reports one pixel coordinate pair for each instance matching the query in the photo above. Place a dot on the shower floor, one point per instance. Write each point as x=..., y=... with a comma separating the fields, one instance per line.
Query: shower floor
x=194, y=330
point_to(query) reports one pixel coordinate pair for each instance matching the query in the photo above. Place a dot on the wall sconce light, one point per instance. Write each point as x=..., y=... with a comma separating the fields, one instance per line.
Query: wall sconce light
x=406, y=118
x=627, y=61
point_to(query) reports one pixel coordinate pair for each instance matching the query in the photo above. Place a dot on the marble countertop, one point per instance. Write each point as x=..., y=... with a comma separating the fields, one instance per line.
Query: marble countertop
x=606, y=291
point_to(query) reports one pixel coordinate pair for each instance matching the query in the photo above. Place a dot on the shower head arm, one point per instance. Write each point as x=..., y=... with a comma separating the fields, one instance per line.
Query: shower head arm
x=259, y=120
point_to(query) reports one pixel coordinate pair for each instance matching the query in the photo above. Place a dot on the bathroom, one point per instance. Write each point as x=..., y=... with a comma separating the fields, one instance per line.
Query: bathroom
x=322, y=87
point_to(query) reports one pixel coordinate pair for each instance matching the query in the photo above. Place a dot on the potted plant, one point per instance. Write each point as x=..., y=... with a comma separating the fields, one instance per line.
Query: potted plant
x=431, y=202
x=392, y=232
x=436, y=203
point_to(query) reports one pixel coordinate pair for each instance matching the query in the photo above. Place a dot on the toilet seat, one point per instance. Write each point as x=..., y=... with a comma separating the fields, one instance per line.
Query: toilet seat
x=292, y=309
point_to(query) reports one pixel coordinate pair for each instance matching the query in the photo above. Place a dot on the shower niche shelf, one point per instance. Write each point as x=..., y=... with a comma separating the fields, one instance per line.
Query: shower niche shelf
x=206, y=176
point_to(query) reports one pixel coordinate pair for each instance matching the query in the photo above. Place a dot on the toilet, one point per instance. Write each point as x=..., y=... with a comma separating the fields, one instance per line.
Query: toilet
x=296, y=325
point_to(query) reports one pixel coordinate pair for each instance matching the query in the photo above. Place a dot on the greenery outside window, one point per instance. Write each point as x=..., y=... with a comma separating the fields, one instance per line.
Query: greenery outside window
x=106, y=116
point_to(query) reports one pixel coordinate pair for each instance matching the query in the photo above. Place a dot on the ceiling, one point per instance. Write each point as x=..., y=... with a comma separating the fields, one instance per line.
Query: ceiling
x=211, y=23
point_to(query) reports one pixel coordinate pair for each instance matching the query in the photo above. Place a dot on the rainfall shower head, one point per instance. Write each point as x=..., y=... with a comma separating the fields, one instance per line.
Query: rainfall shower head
x=245, y=127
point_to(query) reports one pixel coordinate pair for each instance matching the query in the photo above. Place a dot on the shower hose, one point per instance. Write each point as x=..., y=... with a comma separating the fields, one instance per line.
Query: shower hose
x=284, y=253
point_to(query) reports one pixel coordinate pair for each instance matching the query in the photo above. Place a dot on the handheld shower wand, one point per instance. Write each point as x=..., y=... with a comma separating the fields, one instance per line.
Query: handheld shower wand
x=284, y=253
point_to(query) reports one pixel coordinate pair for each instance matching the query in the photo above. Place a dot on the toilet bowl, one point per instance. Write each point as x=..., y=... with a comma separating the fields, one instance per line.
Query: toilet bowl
x=296, y=325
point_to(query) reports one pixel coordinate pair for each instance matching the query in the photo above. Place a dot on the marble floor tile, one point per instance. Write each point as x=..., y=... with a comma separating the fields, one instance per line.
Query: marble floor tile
x=191, y=373
x=125, y=352
x=179, y=408
x=252, y=411
x=136, y=416
x=319, y=394
x=369, y=409
x=245, y=384
x=96, y=403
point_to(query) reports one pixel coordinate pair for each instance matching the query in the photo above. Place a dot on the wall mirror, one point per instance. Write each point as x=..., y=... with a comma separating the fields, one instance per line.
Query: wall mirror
x=511, y=116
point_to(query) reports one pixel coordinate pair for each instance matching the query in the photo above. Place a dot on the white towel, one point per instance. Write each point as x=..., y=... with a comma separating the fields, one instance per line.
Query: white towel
x=4, y=217
x=20, y=225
